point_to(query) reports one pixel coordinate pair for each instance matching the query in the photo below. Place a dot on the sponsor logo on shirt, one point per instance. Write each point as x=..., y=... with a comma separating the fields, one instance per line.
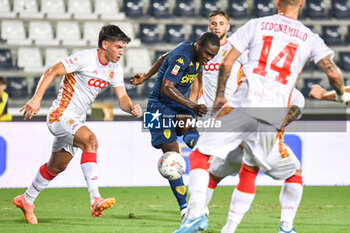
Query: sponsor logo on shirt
x=175, y=70
x=212, y=67
x=180, y=61
x=188, y=78
x=97, y=83
x=223, y=53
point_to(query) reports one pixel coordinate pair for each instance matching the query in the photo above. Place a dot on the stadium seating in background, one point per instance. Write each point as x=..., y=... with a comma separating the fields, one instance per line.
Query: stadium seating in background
x=91, y=32
x=41, y=33
x=137, y=60
x=6, y=60
x=130, y=89
x=344, y=61
x=315, y=9
x=108, y=9
x=238, y=9
x=159, y=8
x=133, y=8
x=147, y=87
x=30, y=60
x=54, y=55
x=69, y=33
x=81, y=9
x=157, y=54
x=5, y=10
x=27, y=9
x=49, y=93
x=231, y=31
x=149, y=33
x=331, y=35
x=308, y=83
x=197, y=31
x=13, y=31
x=17, y=88
x=263, y=8
x=54, y=9
x=209, y=6
x=340, y=9
x=309, y=67
x=185, y=8
x=127, y=28
x=174, y=33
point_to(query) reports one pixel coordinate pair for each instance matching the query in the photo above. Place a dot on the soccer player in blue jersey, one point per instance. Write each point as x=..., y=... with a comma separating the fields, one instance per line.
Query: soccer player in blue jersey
x=168, y=100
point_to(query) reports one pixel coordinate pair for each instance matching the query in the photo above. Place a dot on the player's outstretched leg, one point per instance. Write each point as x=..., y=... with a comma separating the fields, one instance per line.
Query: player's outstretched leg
x=196, y=221
x=88, y=165
x=28, y=210
x=290, y=198
x=100, y=205
x=242, y=198
x=26, y=201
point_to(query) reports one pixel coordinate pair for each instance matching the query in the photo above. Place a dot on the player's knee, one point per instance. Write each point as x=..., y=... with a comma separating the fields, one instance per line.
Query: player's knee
x=56, y=168
x=191, y=138
x=91, y=144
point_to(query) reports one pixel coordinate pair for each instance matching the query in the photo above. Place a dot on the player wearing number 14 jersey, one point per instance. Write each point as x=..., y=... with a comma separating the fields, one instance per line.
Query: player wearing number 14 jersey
x=279, y=45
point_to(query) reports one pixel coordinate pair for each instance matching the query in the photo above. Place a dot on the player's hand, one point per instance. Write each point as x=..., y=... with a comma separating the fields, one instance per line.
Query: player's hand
x=136, y=110
x=201, y=110
x=317, y=92
x=220, y=101
x=137, y=79
x=31, y=108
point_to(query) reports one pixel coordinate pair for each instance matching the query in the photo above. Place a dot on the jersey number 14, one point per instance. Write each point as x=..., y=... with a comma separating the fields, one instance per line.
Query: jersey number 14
x=283, y=71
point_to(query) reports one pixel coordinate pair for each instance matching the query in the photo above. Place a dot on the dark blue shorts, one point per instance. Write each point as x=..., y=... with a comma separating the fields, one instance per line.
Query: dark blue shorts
x=166, y=133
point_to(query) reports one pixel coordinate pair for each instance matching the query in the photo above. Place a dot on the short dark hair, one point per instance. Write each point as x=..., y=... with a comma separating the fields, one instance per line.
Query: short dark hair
x=112, y=33
x=2, y=80
x=218, y=12
x=209, y=38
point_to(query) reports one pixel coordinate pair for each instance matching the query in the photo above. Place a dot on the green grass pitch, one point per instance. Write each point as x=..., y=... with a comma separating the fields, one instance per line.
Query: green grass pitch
x=154, y=209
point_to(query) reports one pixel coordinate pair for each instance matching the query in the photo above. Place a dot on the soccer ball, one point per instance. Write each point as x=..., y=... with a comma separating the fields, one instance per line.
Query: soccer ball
x=171, y=165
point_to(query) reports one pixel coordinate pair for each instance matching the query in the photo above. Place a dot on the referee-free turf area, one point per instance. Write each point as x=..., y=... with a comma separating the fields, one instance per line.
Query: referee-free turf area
x=154, y=209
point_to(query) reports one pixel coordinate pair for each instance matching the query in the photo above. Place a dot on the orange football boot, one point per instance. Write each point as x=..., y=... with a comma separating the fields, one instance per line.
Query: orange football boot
x=100, y=205
x=27, y=209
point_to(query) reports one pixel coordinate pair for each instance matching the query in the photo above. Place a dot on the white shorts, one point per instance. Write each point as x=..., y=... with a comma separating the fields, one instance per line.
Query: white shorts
x=258, y=139
x=64, y=131
x=229, y=166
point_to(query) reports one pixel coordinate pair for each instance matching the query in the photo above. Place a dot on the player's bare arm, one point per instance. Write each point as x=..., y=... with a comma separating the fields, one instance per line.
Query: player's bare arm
x=319, y=93
x=196, y=87
x=32, y=107
x=333, y=73
x=125, y=102
x=224, y=73
x=169, y=90
x=140, y=78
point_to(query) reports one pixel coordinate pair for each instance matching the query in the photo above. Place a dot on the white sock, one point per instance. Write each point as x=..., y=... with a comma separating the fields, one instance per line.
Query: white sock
x=39, y=184
x=209, y=195
x=240, y=204
x=197, y=187
x=230, y=227
x=90, y=174
x=290, y=198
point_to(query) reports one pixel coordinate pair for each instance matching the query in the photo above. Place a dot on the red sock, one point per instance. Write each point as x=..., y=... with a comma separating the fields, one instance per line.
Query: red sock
x=247, y=180
x=88, y=157
x=199, y=160
x=212, y=183
x=44, y=172
x=294, y=179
